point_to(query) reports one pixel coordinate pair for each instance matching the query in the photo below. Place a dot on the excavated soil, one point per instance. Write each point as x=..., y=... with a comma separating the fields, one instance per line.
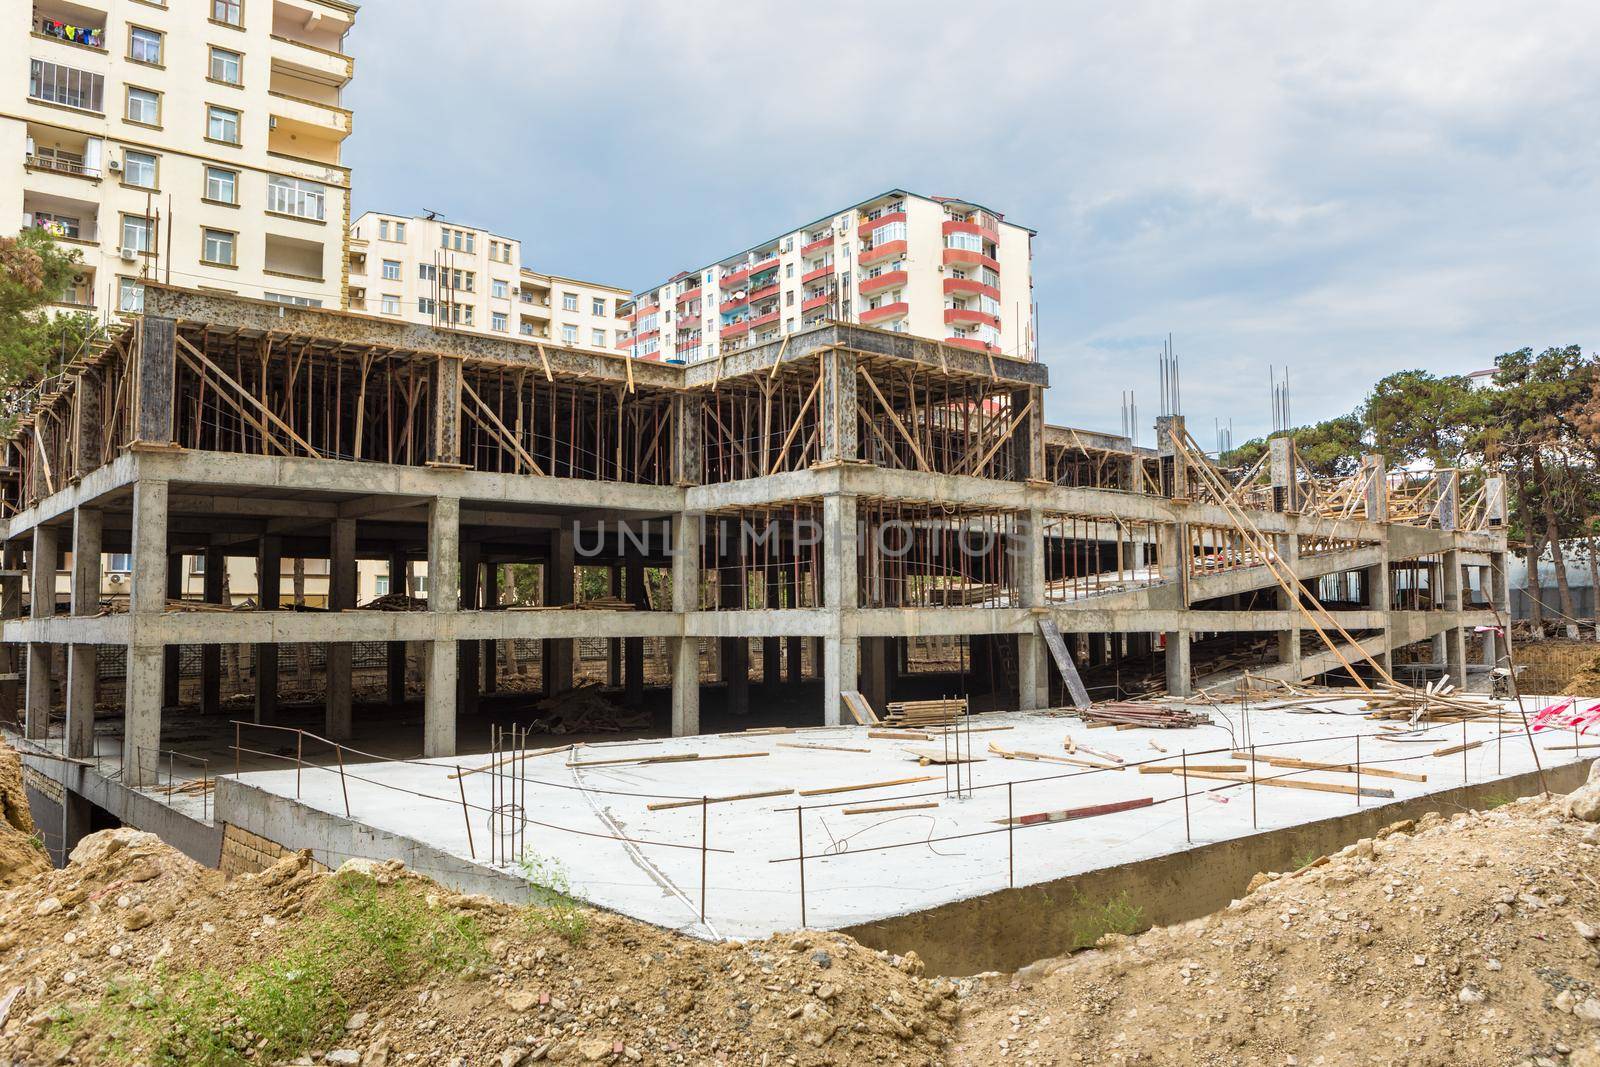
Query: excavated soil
x=21, y=856
x=1453, y=942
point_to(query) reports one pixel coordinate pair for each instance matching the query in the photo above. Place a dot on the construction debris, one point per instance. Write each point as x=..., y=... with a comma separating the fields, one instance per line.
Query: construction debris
x=1068, y=814
x=915, y=713
x=1143, y=713
x=395, y=602
x=585, y=710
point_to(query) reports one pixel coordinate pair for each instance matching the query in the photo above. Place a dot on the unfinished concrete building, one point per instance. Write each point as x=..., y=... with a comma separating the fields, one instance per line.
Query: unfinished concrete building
x=846, y=509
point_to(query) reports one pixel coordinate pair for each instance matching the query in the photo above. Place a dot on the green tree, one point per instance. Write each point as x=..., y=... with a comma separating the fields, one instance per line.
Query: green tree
x=34, y=272
x=1330, y=449
x=1414, y=415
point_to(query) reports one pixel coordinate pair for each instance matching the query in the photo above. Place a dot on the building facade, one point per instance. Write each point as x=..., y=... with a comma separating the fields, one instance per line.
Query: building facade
x=935, y=267
x=196, y=143
x=439, y=273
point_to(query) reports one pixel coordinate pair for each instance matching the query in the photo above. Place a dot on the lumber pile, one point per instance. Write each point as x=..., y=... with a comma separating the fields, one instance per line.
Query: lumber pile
x=202, y=606
x=1439, y=702
x=1142, y=713
x=395, y=602
x=916, y=714
x=605, y=603
x=585, y=710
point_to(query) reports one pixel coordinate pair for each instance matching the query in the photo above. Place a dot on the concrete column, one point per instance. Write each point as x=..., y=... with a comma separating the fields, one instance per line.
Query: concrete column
x=269, y=597
x=468, y=676
x=439, y=699
x=338, y=716
x=1377, y=488
x=1381, y=595
x=490, y=653
x=82, y=668
x=157, y=374
x=840, y=653
x=559, y=576
x=147, y=593
x=446, y=416
x=1033, y=668
x=873, y=657
x=42, y=567
x=395, y=651
x=1455, y=656
x=1170, y=432
x=1288, y=548
x=734, y=654
x=633, y=647
x=1500, y=598
x=836, y=406
x=1027, y=441
x=171, y=658
x=795, y=645
x=1179, y=669
x=87, y=422
x=211, y=654
x=1280, y=460
x=684, y=652
x=10, y=608
x=141, y=729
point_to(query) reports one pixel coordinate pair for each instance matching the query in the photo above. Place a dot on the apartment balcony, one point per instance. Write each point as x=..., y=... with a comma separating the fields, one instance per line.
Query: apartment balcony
x=816, y=247
x=983, y=224
x=534, y=306
x=736, y=329
x=288, y=257
x=887, y=280
x=969, y=287
x=765, y=319
x=81, y=26
x=69, y=221
x=730, y=306
x=821, y=300
x=763, y=293
x=886, y=313
x=864, y=231
x=311, y=34
x=764, y=266
x=688, y=295
x=970, y=317
x=887, y=250
x=734, y=279
x=323, y=121
x=961, y=257
x=79, y=296
x=815, y=275
x=977, y=344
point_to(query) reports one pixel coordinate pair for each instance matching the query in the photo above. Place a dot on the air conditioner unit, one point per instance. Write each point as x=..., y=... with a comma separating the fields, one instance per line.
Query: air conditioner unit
x=115, y=166
x=115, y=579
x=129, y=255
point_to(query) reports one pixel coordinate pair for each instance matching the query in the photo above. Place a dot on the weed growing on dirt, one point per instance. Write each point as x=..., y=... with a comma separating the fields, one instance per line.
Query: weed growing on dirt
x=554, y=907
x=1091, y=922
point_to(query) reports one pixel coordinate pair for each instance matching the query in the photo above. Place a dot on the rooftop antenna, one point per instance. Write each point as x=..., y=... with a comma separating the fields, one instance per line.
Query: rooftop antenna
x=431, y=216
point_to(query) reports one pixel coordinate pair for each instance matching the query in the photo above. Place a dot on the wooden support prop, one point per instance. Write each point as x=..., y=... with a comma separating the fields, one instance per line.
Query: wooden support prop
x=1176, y=768
x=821, y=748
x=1367, y=770
x=509, y=759
x=666, y=805
x=690, y=757
x=1450, y=750
x=865, y=785
x=898, y=735
x=1294, y=783
x=248, y=396
x=544, y=361
x=859, y=709
x=1064, y=664
x=891, y=807
x=1068, y=814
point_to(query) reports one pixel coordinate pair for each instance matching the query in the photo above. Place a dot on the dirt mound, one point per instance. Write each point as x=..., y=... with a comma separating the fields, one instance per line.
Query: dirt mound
x=133, y=953
x=1460, y=941
x=21, y=856
x=1557, y=665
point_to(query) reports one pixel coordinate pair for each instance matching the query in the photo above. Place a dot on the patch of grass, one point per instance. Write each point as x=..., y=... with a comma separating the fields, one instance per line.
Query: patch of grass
x=554, y=906
x=1497, y=800
x=1304, y=860
x=277, y=1008
x=1091, y=922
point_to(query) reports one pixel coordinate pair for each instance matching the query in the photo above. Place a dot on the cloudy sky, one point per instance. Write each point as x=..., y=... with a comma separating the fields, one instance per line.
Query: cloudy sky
x=1342, y=190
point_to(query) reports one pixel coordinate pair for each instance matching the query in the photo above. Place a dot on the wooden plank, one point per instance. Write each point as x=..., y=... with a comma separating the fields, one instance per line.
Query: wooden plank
x=666, y=805
x=865, y=785
x=821, y=748
x=1068, y=814
x=1295, y=783
x=510, y=759
x=859, y=709
x=1451, y=750
x=890, y=807
x=689, y=757
x=1347, y=768
x=1175, y=768
x=898, y=735
x=1007, y=753
x=927, y=756
x=1064, y=664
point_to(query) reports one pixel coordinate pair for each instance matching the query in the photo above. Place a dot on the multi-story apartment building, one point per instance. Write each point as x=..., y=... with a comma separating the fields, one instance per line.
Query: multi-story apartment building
x=192, y=141
x=429, y=270
x=932, y=266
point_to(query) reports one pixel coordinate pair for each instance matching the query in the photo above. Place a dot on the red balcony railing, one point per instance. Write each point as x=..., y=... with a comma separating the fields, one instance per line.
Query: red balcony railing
x=812, y=275
x=963, y=256
x=734, y=279
x=886, y=280
x=985, y=227
x=737, y=329
x=887, y=311
x=821, y=300
x=970, y=317
x=764, y=292
x=887, y=250
x=970, y=286
x=733, y=305
x=684, y=298
x=977, y=344
x=866, y=228
x=817, y=246
x=765, y=265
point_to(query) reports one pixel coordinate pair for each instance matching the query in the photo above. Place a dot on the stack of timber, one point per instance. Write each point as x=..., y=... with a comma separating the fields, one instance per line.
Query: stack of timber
x=958, y=592
x=395, y=602
x=1439, y=702
x=605, y=603
x=585, y=710
x=1131, y=713
x=920, y=713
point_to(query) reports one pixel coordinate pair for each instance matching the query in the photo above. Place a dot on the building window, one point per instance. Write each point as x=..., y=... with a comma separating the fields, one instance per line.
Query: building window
x=380, y=584
x=302, y=199
x=226, y=66
x=971, y=242
x=130, y=296
x=139, y=168
x=227, y=11
x=217, y=249
x=55, y=84
x=144, y=106
x=144, y=46
x=597, y=305
x=788, y=270
x=391, y=305
x=894, y=231
x=569, y=301
x=136, y=233
x=222, y=124
x=598, y=338
x=498, y=321
x=569, y=335
x=383, y=229
x=499, y=289
x=299, y=302
x=222, y=185
x=425, y=306
x=399, y=231
x=391, y=270
x=119, y=562
x=427, y=272
x=463, y=280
